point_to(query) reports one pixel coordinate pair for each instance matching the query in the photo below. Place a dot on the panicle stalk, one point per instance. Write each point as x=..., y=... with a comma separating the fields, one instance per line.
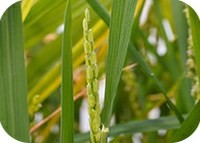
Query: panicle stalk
x=96, y=134
x=192, y=69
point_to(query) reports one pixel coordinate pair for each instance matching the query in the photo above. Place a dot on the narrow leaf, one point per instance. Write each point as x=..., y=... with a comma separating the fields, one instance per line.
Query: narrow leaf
x=136, y=127
x=120, y=31
x=13, y=84
x=137, y=57
x=189, y=125
x=67, y=104
x=26, y=7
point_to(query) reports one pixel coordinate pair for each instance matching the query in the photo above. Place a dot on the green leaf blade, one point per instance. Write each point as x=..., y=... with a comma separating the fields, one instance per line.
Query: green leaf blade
x=120, y=31
x=189, y=125
x=137, y=57
x=67, y=103
x=13, y=84
x=132, y=127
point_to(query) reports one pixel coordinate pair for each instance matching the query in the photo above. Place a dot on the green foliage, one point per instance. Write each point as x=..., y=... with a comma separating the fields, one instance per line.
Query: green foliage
x=13, y=84
x=157, y=73
x=135, y=55
x=121, y=23
x=67, y=103
x=136, y=127
x=189, y=125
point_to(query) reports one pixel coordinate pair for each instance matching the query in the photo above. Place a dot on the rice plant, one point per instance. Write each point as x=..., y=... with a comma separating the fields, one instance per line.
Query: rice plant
x=117, y=71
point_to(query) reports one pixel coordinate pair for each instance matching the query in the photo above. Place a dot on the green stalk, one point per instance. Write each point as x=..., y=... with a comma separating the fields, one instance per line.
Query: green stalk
x=13, y=84
x=67, y=103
